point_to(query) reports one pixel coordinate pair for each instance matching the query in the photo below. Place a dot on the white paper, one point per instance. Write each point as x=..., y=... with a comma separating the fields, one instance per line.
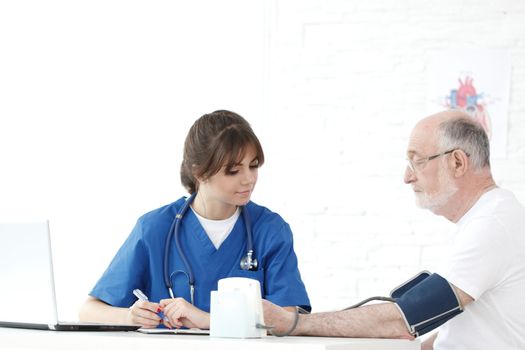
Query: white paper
x=194, y=331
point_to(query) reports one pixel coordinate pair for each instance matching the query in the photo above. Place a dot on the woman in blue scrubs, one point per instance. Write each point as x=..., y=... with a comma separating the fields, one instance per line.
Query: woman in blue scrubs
x=220, y=166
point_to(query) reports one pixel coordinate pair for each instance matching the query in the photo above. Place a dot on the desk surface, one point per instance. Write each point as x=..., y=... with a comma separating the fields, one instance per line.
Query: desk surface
x=35, y=339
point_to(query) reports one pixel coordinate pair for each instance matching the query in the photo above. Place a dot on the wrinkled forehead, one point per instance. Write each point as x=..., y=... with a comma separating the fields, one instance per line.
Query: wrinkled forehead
x=423, y=141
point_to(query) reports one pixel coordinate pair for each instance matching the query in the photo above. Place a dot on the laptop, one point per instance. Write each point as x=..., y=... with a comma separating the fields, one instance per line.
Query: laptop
x=27, y=292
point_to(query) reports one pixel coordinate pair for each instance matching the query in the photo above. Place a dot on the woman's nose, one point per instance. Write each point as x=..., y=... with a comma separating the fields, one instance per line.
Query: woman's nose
x=250, y=176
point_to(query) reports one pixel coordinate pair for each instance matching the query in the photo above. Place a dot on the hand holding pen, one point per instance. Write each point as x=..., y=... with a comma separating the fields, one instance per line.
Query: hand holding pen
x=147, y=313
x=175, y=312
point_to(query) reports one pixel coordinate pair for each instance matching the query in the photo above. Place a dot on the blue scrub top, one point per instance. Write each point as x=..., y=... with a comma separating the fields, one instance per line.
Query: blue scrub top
x=139, y=262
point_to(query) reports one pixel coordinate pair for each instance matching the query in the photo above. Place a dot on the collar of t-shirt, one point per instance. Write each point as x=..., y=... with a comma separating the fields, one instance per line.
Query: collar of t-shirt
x=218, y=230
x=487, y=197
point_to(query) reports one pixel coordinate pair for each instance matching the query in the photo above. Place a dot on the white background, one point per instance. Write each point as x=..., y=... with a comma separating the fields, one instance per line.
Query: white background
x=97, y=96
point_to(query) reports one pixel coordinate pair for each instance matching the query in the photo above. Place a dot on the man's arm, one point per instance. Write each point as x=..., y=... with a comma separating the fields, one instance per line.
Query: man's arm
x=373, y=321
x=428, y=344
x=464, y=298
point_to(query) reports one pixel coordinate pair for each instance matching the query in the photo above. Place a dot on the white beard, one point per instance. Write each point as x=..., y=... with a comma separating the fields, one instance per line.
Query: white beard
x=435, y=201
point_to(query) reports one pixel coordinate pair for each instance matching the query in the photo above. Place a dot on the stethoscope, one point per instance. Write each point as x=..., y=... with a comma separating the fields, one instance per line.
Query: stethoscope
x=247, y=263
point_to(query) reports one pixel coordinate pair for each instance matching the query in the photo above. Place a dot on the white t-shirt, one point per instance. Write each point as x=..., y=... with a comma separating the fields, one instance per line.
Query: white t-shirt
x=218, y=230
x=487, y=261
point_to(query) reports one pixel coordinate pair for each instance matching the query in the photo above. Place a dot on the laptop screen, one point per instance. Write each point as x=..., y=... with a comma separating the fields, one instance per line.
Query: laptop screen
x=27, y=293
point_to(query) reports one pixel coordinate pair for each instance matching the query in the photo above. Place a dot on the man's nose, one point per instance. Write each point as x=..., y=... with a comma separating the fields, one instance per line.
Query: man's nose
x=410, y=176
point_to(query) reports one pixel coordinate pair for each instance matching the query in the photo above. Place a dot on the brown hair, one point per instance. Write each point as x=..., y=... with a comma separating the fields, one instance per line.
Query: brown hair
x=217, y=139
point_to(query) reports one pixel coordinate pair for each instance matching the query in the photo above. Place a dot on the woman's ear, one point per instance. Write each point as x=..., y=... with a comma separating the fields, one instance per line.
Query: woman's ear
x=198, y=178
x=201, y=180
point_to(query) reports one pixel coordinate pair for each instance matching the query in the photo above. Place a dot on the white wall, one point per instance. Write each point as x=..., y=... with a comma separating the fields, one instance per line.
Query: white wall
x=347, y=83
x=95, y=100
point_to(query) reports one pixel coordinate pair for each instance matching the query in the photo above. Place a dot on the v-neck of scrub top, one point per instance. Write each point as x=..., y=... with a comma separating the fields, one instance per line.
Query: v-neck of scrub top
x=208, y=254
x=218, y=230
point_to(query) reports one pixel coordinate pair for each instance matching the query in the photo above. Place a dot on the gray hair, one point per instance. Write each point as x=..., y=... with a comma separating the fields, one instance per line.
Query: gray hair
x=468, y=135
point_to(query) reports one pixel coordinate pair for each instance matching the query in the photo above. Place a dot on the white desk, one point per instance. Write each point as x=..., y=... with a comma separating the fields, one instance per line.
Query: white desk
x=50, y=340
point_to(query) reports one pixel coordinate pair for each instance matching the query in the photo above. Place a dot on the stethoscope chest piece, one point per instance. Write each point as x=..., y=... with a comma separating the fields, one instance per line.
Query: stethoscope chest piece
x=248, y=263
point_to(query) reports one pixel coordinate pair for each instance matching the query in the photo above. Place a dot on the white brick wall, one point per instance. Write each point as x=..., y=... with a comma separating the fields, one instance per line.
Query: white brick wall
x=346, y=83
x=92, y=121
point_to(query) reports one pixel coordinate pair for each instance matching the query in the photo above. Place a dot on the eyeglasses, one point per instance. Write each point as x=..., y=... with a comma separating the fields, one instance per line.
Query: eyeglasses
x=417, y=165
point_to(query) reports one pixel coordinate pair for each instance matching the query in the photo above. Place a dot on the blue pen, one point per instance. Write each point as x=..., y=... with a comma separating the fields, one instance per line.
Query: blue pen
x=140, y=294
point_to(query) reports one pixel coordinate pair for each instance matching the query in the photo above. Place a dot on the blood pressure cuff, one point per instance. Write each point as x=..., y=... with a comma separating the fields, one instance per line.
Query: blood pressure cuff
x=426, y=301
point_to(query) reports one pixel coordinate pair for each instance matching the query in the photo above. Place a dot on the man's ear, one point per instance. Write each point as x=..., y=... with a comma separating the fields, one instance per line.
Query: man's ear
x=460, y=162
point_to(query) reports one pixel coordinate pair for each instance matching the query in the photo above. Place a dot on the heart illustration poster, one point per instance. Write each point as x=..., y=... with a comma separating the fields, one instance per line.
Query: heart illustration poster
x=478, y=82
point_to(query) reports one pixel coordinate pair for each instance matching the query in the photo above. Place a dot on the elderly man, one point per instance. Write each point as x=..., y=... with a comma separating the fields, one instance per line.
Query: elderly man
x=449, y=172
